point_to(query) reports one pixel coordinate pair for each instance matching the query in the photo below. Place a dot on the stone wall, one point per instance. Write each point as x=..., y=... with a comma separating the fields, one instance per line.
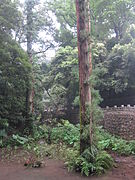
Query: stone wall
x=120, y=121
x=117, y=120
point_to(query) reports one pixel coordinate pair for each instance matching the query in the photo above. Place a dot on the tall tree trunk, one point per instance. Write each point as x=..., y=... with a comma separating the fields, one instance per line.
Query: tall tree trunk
x=29, y=37
x=85, y=70
x=29, y=48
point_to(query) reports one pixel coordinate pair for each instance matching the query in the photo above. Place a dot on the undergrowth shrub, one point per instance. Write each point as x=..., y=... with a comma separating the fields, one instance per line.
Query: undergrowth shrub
x=89, y=162
x=65, y=132
x=18, y=140
x=41, y=132
x=63, y=141
x=3, y=130
x=109, y=142
x=103, y=162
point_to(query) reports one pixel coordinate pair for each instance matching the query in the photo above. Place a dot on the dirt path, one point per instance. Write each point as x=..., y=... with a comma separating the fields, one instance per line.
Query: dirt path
x=55, y=170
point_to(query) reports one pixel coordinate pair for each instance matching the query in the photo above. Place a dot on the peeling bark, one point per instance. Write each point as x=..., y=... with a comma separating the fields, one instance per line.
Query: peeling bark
x=85, y=69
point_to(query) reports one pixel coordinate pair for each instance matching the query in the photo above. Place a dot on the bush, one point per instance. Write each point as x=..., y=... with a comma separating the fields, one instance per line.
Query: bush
x=65, y=132
x=3, y=130
x=41, y=132
x=18, y=140
x=103, y=162
x=89, y=162
x=108, y=142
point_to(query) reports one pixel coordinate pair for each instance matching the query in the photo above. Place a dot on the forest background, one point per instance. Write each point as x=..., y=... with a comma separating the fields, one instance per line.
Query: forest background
x=31, y=83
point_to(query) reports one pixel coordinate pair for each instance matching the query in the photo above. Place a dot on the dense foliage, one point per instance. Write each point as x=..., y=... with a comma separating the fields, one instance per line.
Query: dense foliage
x=61, y=78
x=112, y=31
x=14, y=79
x=14, y=73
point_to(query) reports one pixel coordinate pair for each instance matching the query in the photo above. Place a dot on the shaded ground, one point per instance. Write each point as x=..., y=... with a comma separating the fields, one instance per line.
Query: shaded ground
x=55, y=170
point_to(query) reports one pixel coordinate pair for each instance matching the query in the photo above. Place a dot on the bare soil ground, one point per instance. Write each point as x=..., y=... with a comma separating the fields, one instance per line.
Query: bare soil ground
x=14, y=169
